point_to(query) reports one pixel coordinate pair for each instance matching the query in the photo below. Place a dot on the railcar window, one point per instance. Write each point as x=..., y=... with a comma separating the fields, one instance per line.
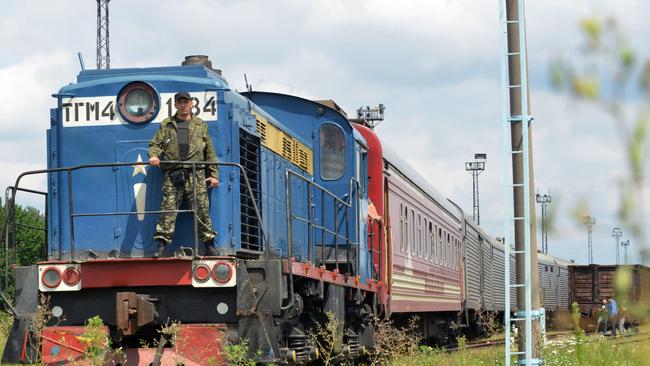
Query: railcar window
x=425, y=253
x=427, y=247
x=401, y=227
x=452, y=254
x=405, y=239
x=456, y=253
x=439, y=253
x=448, y=256
x=431, y=242
x=443, y=252
x=332, y=151
x=419, y=236
x=412, y=233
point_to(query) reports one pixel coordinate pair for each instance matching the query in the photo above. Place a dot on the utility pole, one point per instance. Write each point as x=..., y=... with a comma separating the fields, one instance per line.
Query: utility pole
x=625, y=244
x=476, y=167
x=544, y=200
x=589, y=221
x=103, y=44
x=517, y=119
x=616, y=234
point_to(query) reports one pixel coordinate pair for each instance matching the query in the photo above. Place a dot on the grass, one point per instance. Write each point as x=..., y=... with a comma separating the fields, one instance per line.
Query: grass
x=6, y=321
x=605, y=352
x=593, y=351
x=573, y=351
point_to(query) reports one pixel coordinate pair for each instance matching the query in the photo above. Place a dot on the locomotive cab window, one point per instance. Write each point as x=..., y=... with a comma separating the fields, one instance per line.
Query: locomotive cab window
x=332, y=152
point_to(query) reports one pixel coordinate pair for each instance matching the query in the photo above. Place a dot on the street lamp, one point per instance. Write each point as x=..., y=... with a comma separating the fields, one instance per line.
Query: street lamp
x=544, y=200
x=625, y=244
x=589, y=221
x=476, y=167
x=616, y=234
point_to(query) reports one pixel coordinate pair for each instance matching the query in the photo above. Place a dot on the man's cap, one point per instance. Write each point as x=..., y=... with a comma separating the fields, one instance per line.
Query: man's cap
x=182, y=94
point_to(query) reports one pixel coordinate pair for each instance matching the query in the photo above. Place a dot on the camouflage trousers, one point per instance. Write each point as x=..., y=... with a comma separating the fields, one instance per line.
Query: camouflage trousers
x=173, y=197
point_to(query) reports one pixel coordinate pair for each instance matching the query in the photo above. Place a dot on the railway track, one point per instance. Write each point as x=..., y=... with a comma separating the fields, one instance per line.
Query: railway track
x=591, y=337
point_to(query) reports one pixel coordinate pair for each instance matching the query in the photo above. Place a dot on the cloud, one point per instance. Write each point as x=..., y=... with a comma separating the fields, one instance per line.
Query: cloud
x=433, y=64
x=26, y=96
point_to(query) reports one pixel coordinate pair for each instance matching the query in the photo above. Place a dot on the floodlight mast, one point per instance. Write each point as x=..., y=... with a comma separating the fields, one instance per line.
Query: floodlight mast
x=625, y=244
x=476, y=167
x=544, y=200
x=616, y=234
x=589, y=221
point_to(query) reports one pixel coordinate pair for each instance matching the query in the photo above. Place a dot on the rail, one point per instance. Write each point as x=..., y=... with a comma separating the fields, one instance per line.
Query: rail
x=313, y=226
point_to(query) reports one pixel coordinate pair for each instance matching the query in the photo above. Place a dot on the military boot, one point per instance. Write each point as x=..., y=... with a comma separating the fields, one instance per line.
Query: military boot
x=161, y=249
x=210, y=250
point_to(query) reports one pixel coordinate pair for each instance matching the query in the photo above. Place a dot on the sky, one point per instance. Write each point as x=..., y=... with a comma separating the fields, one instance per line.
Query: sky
x=434, y=64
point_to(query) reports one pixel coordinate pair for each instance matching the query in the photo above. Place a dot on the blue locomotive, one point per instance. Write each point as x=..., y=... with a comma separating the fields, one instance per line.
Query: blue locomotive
x=315, y=218
x=291, y=213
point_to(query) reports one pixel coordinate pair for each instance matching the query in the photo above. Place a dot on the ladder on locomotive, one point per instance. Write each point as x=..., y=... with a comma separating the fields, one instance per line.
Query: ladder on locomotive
x=526, y=315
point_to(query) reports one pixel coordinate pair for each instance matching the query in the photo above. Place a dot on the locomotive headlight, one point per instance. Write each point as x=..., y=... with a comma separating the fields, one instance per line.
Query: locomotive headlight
x=138, y=103
x=51, y=277
x=222, y=272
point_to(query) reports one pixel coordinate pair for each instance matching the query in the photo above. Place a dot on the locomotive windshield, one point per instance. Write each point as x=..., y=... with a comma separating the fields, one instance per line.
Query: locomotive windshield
x=332, y=152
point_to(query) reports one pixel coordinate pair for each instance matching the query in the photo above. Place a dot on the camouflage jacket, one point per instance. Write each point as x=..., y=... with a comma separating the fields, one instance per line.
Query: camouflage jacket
x=164, y=145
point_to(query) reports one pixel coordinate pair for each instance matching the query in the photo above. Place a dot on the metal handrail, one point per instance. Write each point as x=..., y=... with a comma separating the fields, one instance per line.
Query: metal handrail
x=10, y=209
x=312, y=227
x=379, y=251
x=72, y=215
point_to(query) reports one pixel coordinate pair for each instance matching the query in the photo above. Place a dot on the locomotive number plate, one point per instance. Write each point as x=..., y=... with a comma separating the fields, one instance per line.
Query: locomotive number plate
x=102, y=111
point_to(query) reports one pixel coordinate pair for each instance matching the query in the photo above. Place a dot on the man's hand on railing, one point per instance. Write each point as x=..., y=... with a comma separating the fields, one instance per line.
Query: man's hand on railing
x=212, y=182
x=154, y=161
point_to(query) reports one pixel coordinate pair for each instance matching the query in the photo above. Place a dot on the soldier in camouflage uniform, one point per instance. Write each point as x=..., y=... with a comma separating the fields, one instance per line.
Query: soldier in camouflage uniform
x=184, y=137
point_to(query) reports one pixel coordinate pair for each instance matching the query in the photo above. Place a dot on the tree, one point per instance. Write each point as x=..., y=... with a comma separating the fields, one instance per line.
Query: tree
x=610, y=74
x=30, y=238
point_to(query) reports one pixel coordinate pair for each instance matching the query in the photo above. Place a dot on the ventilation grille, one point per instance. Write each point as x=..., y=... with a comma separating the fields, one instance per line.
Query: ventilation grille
x=285, y=145
x=249, y=156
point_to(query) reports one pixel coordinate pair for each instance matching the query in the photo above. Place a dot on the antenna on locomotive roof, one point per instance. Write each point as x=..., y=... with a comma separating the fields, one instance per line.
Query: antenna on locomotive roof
x=81, y=61
x=249, y=87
